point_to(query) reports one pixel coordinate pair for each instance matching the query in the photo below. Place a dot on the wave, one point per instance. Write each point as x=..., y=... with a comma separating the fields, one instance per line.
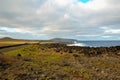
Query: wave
x=95, y=43
x=77, y=44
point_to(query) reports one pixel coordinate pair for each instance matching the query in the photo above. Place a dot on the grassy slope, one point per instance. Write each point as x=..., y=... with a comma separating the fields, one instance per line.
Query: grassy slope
x=47, y=63
x=9, y=41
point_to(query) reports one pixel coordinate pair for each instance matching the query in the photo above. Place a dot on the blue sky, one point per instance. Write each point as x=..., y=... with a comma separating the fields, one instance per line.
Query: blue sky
x=46, y=19
x=84, y=1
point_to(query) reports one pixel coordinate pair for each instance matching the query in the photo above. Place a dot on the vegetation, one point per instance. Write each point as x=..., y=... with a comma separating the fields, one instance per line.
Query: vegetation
x=60, y=62
x=7, y=41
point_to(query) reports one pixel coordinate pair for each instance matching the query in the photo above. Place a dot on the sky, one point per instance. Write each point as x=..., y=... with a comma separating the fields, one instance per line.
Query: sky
x=74, y=19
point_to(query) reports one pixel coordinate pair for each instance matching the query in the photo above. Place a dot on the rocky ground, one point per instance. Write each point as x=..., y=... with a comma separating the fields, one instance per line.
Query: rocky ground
x=60, y=62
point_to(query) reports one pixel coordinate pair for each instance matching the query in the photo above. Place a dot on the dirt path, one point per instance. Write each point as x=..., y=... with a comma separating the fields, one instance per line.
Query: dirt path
x=12, y=48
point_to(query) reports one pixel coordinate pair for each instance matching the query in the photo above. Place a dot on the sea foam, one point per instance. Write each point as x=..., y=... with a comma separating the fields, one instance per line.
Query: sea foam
x=77, y=44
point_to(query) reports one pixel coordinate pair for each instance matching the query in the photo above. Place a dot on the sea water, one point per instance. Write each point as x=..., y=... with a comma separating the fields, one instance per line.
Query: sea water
x=96, y=43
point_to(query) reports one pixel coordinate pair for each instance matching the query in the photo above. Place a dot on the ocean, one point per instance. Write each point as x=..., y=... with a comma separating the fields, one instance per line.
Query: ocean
x=96, y=43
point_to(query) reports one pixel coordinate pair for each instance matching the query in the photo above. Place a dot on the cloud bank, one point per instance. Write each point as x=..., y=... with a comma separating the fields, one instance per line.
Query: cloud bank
x=44, y=19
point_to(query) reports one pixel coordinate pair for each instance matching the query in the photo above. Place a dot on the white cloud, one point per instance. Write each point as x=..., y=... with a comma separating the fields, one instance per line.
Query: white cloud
x=66, y=16
x=113, y=31
x=94, y=5
x=88, y=35
x=61, y=18
x=63, y=3
x=108, y=30
x=106, y=36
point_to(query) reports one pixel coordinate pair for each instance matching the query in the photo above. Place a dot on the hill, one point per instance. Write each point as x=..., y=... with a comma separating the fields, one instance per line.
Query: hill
x=63, y=40
x=6, y=38
x=13, y=39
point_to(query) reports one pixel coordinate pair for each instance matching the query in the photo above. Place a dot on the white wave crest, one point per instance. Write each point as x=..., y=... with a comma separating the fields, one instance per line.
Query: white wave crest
x=77, y=44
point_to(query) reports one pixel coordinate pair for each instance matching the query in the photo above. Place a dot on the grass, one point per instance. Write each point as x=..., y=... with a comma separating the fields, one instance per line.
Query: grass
x=45, y=62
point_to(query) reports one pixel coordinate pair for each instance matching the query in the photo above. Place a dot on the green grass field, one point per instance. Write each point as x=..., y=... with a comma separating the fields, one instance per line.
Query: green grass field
x=43, y=62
